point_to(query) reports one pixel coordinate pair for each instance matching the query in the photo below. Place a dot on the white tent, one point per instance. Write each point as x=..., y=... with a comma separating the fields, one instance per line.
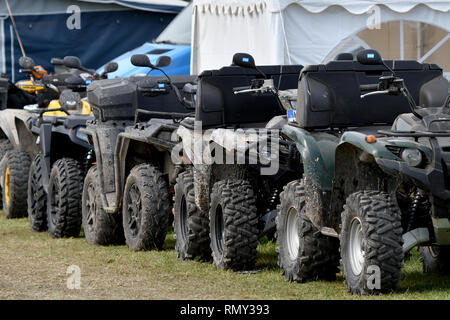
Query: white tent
x=300, y=31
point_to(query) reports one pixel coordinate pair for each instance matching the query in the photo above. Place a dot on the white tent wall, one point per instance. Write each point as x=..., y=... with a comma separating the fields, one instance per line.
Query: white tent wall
x=311, y=36
x=293, y=32
x=220, y=31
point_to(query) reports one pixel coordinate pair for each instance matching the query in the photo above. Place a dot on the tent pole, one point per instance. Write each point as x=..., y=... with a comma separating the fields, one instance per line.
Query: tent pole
x=2, y=46
x=402, y=40
x=15, y=28
x=420, y=40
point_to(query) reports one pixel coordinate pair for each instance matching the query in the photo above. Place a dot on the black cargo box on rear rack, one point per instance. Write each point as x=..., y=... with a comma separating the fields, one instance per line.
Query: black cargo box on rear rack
x=118, y=99
x=218, y=106
x=329, y=95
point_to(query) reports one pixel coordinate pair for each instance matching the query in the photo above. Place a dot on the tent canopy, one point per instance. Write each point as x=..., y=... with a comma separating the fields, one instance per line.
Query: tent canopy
x=296, y=31
x=94, y=30
x=149, y=5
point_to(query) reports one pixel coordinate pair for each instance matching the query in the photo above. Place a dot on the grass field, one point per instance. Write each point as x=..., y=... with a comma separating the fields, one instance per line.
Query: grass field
x=33, y=266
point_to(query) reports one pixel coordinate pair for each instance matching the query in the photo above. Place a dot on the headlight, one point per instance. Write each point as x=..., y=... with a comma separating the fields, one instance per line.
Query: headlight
x=412, y=157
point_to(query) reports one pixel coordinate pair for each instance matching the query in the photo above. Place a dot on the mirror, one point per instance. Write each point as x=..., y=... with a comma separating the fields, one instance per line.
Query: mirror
x=26, y=62
x=244, y=60
x=369, y=57
x=141, y=60
x=163, y=61
x=72, y=62
x=344, y=56
x=57, y=61
x=111, y=67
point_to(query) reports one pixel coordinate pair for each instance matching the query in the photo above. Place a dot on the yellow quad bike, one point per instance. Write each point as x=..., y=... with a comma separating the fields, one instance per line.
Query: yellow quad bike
x=16, y=164
x=39, y=88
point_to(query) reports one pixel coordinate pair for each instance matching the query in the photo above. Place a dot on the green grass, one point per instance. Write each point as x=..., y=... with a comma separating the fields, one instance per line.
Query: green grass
x=33, y=266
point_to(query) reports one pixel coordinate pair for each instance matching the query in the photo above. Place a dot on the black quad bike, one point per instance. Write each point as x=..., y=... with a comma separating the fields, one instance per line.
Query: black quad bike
x=55, y=178
x=226, y=198
x=128, y=193
x=375, y=173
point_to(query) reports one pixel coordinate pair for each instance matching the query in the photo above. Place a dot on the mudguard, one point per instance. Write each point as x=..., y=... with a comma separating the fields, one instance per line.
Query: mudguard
x=13, y=124
x=378, y=149
x=317, y=150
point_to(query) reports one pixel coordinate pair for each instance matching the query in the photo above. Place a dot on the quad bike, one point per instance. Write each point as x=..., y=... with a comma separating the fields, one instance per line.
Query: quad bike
x=14, y=134
x=230, y=203
x=375, y=173
x=56, y=172
x=21, y=142
x=127, y=194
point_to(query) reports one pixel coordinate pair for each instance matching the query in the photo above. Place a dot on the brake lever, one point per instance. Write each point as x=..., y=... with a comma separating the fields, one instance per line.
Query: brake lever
x=246, y=91
x=52, y=87
x=374, y=93
x=262, y=90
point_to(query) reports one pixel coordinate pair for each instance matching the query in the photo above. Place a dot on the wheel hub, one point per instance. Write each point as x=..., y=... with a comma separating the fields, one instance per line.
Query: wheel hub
x=91, y=208
x=183, y=218
x=134, y=209
x=219, y=229
x=355, y=247
x=292, y=237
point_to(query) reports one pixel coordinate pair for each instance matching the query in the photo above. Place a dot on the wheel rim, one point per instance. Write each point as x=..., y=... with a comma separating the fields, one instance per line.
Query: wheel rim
x=434, y=251
x=7, y=198
x=219, y=229
x=292, y=238
x=54, y=203
x=183, y=219
x=90, y=208
x=356, y=252
x=134, y=210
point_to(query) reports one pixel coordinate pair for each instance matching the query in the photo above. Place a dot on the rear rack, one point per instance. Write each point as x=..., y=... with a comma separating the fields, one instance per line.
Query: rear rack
x=414, y=134
x=173, y=115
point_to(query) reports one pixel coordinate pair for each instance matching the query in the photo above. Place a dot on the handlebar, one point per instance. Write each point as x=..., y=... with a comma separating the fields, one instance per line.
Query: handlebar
x=369, y=87
x=263, y=89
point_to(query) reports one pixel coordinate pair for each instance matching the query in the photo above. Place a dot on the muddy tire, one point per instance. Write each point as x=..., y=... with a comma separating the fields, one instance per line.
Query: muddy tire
x=37, y=197
x=371, y=243
x=15, y=180
x=145, y=208
x=435, y=260
x=190, y=223
x=304, y=253
x=100, y=227
x=5, y=146
x=233, y=227
x=64, y=199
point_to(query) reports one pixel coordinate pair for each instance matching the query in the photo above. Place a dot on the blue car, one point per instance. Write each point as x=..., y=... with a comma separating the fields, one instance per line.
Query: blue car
x=174, y=41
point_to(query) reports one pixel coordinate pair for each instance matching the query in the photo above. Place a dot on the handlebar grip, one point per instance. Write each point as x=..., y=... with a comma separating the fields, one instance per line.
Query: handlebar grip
x=368, y=87
x=242, y=88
